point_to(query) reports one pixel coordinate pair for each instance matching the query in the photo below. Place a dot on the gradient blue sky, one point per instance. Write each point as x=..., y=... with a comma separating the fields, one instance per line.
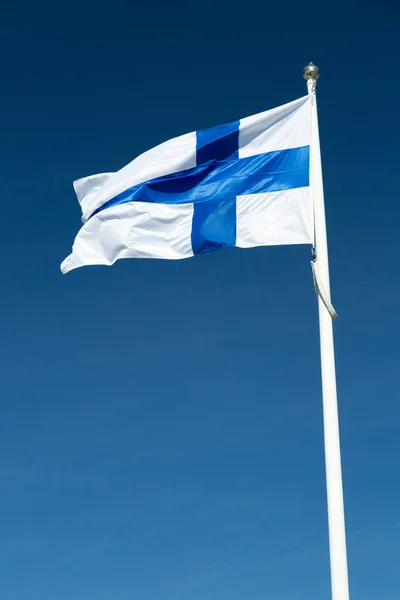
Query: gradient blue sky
x=160, y=422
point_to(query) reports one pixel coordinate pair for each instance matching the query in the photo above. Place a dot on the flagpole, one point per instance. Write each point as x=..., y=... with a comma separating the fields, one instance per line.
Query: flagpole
x=336, y=521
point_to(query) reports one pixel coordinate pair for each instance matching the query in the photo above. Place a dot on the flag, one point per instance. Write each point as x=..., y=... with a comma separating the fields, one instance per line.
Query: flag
x=241, y=184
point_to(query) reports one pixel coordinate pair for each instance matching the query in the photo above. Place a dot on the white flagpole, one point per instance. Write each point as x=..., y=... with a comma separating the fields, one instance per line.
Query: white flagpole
x=337, y=533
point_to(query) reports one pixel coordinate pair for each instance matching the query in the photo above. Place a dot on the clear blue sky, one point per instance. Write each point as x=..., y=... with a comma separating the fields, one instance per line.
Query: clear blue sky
x=160, y=422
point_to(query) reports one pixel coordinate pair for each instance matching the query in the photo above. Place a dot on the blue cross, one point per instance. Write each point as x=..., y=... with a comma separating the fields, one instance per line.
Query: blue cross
x=218, y=178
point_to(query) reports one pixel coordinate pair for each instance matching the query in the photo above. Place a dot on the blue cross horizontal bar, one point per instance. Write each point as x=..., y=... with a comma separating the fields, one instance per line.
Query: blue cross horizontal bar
x=222, y=179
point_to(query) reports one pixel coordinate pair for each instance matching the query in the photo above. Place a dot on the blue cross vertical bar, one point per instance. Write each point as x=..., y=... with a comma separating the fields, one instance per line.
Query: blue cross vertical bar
x=214, y=220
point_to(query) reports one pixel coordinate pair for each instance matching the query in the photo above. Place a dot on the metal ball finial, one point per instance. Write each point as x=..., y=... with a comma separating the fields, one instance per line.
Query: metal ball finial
x=311, y=71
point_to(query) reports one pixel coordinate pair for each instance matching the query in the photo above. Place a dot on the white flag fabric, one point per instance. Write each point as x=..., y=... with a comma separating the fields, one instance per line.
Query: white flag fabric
x=241, y=184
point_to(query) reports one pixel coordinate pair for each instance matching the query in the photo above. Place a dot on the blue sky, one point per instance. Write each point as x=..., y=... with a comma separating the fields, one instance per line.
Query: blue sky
x=160, y=422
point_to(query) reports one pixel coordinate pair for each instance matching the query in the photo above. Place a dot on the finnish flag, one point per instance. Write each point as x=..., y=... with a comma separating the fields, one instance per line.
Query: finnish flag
x=242, y=184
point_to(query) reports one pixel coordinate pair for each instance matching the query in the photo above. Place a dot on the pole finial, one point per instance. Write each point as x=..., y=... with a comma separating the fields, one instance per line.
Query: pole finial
x=311, y=71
